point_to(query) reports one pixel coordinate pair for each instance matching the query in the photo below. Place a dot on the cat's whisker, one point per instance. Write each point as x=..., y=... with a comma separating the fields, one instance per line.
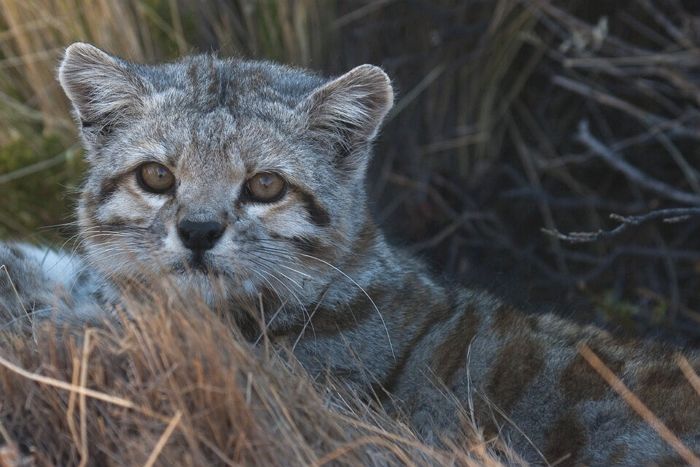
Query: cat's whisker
x=284, y=266
x=282, y=274
x=113, y=238
x=70, y=239
x=268, y=273
x=376, y=308
x=284, y=256
x=280, y=308
x=294, y=295
x=309, y=321
x=272, y=287
x=75, y=223
x=274, y=259
x=355, y=283
x=89, y=233
x=111, y=250
x=272, y=319
x=77, y=236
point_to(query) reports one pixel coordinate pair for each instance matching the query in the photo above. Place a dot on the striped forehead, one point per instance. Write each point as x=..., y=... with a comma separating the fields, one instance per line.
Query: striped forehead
x=216, y=142
x=217, y=145
x=209, y=144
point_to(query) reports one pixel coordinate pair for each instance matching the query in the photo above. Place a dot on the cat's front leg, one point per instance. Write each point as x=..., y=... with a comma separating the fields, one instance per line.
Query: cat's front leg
x=32, y=282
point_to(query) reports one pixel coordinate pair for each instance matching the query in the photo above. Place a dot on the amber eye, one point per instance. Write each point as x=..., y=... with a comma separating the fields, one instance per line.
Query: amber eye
x=266, y=187
x=155, y=177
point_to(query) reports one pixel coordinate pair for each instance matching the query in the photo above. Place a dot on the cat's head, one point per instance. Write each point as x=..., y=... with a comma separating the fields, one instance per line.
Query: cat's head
x=243, y=175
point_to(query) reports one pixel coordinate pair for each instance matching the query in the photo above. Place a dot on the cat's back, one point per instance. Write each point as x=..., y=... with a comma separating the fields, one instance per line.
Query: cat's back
x=524, y=377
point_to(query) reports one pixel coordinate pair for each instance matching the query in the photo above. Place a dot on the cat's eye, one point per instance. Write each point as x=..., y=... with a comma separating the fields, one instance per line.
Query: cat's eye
x=266, y=187
x=155, y=177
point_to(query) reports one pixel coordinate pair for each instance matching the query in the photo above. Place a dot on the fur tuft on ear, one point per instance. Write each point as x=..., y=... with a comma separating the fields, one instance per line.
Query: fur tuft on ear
x=348, y=111
x=104, y=90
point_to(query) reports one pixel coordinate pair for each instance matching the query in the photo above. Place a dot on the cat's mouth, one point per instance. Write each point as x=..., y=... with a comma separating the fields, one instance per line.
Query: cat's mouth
x=197, y=263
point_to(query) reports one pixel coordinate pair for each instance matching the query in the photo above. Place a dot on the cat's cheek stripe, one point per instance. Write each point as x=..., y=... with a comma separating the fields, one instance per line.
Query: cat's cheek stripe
x=317, y=214
x=109, y=187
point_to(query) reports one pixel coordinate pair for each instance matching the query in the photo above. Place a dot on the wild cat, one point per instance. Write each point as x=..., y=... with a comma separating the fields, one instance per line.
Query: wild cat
x=244, y=180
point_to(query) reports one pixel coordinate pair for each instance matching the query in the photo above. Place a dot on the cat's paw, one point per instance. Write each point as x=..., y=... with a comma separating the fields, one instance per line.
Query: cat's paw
x=24, y=288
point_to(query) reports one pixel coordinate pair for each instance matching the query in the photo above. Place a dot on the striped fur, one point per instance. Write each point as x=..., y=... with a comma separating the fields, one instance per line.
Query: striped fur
x=348, y=303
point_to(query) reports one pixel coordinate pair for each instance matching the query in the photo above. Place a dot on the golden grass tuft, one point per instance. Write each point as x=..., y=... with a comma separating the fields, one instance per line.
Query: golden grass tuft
x=175, y=384
x=34, y=34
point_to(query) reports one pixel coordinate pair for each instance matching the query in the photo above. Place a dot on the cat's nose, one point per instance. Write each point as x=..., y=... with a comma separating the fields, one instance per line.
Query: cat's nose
x=200, y=236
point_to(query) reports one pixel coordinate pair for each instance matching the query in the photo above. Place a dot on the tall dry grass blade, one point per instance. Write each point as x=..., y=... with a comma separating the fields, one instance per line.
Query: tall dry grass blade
x=87, y=347
x=688, y=372
x=53, y=382
x=153, y=457
x=6, y=438
x=70, y=410
x=37, y=167
x=362, y=442
x=638, y=406
x=3, y=270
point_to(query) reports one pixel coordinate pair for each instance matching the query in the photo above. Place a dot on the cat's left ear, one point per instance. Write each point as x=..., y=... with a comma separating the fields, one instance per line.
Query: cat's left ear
x=346, y=113
x=105, y=90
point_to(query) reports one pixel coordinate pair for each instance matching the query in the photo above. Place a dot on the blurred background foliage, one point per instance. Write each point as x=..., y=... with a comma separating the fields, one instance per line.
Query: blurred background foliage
x=512, y=116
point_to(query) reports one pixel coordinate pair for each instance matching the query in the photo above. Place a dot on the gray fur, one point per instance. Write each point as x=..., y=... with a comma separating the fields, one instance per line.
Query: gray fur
x=214, y=123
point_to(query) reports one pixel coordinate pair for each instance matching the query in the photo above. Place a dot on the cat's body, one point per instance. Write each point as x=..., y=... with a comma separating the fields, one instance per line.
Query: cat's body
x=244, y=181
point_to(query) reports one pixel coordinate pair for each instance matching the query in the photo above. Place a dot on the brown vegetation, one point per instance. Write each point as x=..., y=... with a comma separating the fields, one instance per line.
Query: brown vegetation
x=176, y=383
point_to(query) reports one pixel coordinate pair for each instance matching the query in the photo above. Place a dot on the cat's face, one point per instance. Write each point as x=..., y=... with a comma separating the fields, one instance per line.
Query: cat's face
x=237, y=178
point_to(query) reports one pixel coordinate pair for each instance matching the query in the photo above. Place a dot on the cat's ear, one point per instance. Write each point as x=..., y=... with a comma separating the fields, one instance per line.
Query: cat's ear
x=346, y=113
x=104, y=89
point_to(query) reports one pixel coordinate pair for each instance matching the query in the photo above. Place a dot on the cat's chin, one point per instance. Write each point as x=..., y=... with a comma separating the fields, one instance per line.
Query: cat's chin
x=200, y=271
x=196, y=266
x=211, y=287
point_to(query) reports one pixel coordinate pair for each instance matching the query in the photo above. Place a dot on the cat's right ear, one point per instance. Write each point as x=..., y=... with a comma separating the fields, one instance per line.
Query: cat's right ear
x=346, y=114
x=104, y=89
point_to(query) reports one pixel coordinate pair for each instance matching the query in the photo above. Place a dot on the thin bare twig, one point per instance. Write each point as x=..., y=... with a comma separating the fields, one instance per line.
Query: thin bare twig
x=39, y=166
x=672, y=215
x=649, y=119
x=586, y=138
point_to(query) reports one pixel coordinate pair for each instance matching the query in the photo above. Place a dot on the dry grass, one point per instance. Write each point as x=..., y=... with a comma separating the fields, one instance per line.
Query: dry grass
x=35, y=33
x=639, y=407
x=172, y=382
x=176, y=384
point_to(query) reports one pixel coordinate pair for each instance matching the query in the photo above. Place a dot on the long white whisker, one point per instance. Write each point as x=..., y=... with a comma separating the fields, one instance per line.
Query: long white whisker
x=271, y=274
x=308, y=322
x=271, y=260
x=269, y=323
x=296, y=297
x=284, y=256
x=279, y=297
x=376, y=308
x=290, y=280
x=276, y=313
